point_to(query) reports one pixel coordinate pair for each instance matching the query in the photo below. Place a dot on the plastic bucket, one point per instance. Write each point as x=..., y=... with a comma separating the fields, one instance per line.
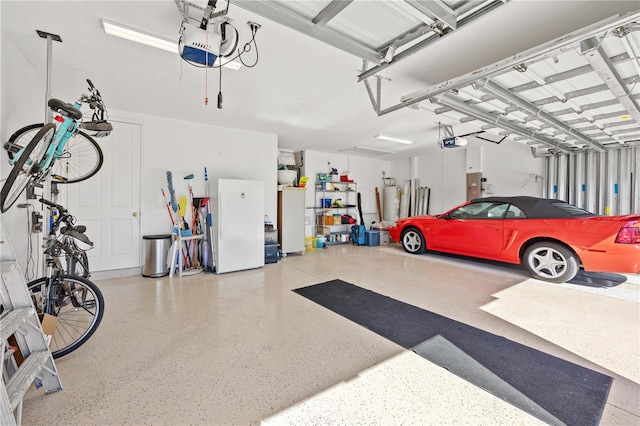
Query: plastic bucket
x=321, y=241
x=310, y=243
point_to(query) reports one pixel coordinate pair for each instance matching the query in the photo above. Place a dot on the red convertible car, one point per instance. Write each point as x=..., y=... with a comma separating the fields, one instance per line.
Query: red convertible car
x=551, y=238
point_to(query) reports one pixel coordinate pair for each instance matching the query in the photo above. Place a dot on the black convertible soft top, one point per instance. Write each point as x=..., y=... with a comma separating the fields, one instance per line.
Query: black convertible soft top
x=533, y=207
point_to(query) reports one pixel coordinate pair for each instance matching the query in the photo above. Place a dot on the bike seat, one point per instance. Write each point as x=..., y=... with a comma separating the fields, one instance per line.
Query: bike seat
x=64, y=108
x=79, y=236
x=78, y=228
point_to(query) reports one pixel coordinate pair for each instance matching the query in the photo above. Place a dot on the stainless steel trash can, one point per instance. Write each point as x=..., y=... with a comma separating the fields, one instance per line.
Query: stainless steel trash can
x=156, y=248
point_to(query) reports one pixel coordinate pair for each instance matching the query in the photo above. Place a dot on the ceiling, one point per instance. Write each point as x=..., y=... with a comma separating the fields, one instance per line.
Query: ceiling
x=446, y=69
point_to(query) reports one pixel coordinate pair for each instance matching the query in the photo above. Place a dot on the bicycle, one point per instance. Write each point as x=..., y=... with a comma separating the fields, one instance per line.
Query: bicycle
x=76, y=260
x=69, y=153
x=66, y=245
x=76, y=302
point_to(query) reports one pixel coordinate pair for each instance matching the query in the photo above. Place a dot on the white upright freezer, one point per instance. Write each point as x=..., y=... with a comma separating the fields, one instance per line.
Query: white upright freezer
x=239, y=227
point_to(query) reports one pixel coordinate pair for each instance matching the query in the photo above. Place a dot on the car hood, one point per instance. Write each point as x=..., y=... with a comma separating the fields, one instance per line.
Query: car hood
x=414, y=218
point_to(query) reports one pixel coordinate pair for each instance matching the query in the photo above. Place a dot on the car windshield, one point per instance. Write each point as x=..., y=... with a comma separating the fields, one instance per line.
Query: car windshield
x=482, y=210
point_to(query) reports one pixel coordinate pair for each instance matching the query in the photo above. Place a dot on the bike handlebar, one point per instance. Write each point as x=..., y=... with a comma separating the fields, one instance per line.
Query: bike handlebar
x=60, y=208
x=64, y=215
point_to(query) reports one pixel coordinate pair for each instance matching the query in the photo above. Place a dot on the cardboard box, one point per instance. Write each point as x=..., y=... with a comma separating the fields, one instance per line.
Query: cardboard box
x=324, y=219
x=49, y=324
x=323, y=231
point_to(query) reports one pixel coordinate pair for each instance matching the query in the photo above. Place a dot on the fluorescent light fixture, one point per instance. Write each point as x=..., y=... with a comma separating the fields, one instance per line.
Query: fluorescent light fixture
x=133, y=34
x=139, y=36
x=366, y=150
x=390, y=139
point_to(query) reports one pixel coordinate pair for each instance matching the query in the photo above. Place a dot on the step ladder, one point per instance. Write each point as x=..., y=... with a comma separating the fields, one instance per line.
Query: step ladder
x=19, y=319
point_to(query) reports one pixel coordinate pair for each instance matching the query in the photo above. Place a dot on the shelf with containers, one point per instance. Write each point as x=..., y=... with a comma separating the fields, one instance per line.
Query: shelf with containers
x=335, y=209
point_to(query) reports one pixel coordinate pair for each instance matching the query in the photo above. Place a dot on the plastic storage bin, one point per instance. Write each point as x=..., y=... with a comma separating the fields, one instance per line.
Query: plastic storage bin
x=156, y=248
x=271, y=236
x=325, y=202
x=310, y=243
x=372, y=237
x=270, y=253
x=385, y=239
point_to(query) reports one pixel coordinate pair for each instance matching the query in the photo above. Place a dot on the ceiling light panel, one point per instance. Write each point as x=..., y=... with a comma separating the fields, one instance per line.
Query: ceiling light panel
x=366, y=150
x=394, y=139
x=139, y=36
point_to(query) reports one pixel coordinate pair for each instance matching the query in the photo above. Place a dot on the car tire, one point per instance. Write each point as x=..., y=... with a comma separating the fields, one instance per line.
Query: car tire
x=413, y=241
x=551, y=262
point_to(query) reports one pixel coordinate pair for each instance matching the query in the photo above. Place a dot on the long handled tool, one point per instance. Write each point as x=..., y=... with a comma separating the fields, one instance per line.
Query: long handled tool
x=378, y=204
x=209, y=220
x=187, y=232
x=168, y=204
x=194, y=211
x=174, y=206
x=172, y=192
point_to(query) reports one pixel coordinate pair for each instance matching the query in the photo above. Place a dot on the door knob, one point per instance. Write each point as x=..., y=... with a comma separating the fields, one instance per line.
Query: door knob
x=135, y=214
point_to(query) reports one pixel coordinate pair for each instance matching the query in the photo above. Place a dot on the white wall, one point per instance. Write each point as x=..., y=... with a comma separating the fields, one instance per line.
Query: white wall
x=185, y=148
x=506, y=167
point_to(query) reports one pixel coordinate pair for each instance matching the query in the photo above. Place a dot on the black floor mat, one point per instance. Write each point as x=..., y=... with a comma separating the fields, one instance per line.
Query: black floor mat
x=549, y=388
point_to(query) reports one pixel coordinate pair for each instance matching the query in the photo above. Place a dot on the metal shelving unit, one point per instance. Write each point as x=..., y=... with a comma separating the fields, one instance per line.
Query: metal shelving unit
x=343, y=197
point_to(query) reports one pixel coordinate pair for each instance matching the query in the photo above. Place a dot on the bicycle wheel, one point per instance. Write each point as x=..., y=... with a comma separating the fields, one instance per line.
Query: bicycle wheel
x=81, y=159
x=78, y=306
x=26, y=168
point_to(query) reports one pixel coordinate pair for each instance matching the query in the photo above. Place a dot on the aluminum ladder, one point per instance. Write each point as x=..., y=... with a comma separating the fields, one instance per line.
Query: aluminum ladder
x=19, y=319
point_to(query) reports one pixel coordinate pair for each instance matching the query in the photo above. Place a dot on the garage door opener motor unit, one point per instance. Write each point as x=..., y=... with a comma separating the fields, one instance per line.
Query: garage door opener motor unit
x=214, y=37
x=205, y=44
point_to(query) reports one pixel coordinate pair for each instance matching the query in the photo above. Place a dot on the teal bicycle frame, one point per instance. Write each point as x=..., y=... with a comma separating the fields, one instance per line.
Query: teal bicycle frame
x=58, y=142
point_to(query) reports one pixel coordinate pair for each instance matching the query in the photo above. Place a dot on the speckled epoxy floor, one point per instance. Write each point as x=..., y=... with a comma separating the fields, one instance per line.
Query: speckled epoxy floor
x=242, y=348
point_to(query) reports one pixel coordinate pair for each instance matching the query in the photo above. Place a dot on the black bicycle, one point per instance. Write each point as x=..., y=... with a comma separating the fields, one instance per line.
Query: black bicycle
x=76, y=302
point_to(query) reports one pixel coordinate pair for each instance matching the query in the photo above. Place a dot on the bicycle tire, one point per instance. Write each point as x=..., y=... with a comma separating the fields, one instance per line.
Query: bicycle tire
x=78, y=264
x=79, y=297
x=82, y=156
x=26, y=168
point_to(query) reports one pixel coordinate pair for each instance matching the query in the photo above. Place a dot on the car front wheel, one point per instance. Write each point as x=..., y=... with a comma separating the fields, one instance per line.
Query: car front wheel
x=551, y=262
x=413, y=241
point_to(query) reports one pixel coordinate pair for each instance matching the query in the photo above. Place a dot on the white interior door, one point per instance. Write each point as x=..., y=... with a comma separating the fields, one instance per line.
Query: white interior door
x=109, y=202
